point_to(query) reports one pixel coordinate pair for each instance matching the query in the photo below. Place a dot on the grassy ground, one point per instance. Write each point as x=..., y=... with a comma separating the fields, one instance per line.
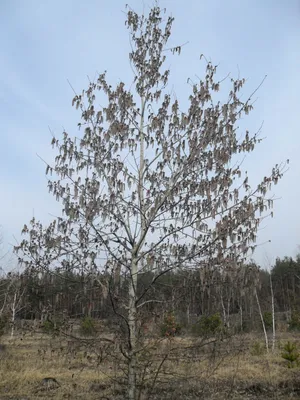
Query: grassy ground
x=235, y=369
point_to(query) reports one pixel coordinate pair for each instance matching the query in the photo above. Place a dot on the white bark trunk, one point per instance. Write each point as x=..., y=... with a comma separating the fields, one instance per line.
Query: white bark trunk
x=13, y=315
x=188, y=314
x=132, y=307
x=273, y=315
x=241, y=317
x=132, y=322
x=262, y=321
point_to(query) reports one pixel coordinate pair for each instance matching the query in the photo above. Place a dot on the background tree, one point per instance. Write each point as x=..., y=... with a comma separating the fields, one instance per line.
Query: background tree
x=286, y=282
x=148, y=186
x=16, y=294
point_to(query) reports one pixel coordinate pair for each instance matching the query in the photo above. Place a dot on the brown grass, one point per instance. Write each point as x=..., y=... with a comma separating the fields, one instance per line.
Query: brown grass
x=27, y=361
x=226, y=370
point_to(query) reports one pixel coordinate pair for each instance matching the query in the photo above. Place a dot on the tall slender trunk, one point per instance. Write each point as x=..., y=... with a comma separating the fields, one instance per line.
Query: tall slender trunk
x=132, y=292
x=228, y=311
x=273, y=315
x=223, y=309
x=262, y=321
x=241, y=316
x=188, y=314
x=13, y=315
x=132, y=322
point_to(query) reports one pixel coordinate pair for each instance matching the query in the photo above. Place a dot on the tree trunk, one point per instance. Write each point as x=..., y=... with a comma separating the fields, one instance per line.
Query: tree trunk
x=241, y=317
x=132, y=292
x=223, y=310
x=13, y=315
x=262, y=321
x=188, y=314
x=132, y=323
x=228, y=311
x=273, y=315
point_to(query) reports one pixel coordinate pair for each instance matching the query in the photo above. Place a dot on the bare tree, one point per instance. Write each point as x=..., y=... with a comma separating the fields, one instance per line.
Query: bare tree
x=12, y=296
x=148, y=185
x=4, y=285
x=14, y=299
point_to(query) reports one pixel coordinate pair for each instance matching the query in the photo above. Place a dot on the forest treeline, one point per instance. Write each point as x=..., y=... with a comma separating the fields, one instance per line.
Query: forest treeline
x=188, y=293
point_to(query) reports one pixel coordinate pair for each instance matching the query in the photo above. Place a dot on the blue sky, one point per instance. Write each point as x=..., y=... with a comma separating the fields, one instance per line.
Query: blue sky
x=45, y=44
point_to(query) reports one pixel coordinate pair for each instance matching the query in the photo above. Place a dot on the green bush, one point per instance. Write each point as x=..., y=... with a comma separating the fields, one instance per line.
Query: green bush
x=258, y=349
x=294, y=324
x=279, y=344
x=87, y=327
x=268, y=320
x=51, y=327
x=208, y=325
x=170, y=326
x=48, y=327
x=246, y=327
x=3, y=324
x=290, y=354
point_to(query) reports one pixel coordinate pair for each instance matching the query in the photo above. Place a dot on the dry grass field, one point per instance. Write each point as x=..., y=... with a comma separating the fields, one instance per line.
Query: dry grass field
x=237, y=369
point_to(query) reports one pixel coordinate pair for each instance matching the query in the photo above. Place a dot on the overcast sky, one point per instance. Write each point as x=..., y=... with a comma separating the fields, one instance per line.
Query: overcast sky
x=45, y=44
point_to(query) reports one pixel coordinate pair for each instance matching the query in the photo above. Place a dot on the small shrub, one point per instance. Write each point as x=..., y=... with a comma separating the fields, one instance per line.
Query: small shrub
x=48, y=327
x=3, y=324
x=170, y=326
x=246, y=327
x=51, y=327
x=290, y=354
x=87, y=327
x=257, y=349
x=268, y=320
x=208, y=325
x=294, y=324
